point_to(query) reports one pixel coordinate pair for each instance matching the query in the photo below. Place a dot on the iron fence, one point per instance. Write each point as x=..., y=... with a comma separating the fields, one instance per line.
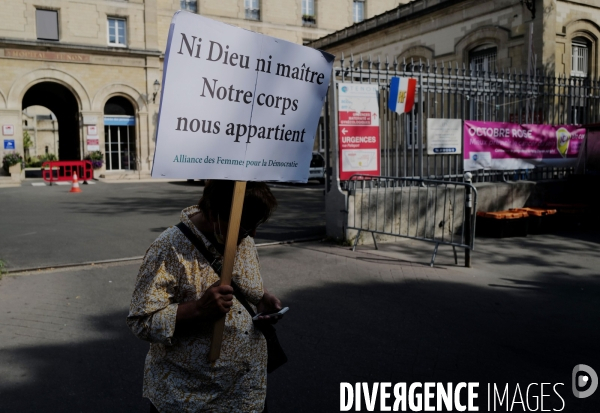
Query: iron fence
x=445, y=91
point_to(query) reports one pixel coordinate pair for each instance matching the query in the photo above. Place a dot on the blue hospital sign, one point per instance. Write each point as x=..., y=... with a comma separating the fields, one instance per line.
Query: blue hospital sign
x=9, y=144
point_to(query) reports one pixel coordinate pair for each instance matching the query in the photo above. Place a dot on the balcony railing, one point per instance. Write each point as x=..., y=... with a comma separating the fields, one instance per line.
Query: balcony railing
x=253, y=14
x=309, y=20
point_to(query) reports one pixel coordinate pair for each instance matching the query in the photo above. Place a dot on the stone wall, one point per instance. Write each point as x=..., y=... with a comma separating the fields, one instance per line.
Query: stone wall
x=449, y=31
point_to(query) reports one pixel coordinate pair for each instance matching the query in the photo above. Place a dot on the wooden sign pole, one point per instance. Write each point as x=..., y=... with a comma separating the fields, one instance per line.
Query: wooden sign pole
x=235, y=217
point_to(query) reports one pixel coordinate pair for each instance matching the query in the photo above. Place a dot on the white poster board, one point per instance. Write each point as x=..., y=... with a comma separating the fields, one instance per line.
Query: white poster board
x=92, y=130
x=237, y=104
x=8, y=130
x=93, y=143
x=444, y=136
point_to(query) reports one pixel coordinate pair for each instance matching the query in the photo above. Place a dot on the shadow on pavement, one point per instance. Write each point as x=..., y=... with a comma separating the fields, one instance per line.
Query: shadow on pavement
x=528, y=312
x=422, y=331
x=405, y=331
x=91, y=376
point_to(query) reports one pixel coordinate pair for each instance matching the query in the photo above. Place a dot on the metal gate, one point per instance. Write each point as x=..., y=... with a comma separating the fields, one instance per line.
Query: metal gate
x=381, y=205
x=461, y=93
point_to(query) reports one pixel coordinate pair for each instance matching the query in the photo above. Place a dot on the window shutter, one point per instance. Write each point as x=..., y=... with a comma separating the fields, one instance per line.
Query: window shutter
x=46, y=24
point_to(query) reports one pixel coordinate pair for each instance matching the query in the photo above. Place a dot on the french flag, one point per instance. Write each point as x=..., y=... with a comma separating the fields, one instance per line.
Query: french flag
x=402, y=94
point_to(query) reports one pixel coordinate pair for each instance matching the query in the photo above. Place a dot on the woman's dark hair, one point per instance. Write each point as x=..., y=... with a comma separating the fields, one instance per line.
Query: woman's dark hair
x=259, y=202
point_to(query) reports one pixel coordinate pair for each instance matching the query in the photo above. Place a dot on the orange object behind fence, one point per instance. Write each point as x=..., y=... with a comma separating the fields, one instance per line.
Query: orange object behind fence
x=55, y=171
x=503, y=214
x=535, y=212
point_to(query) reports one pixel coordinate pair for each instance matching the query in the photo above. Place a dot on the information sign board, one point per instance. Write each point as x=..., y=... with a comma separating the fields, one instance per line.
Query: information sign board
x=358, y=129
x=8, y=130
x=444, y=136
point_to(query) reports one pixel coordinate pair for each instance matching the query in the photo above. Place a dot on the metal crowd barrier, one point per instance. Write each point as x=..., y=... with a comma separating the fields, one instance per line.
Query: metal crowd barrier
x=441, y=212
x=54, y=171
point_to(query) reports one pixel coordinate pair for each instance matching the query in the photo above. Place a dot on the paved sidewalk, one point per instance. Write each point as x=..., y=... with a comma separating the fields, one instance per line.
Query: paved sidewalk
x=528, y=312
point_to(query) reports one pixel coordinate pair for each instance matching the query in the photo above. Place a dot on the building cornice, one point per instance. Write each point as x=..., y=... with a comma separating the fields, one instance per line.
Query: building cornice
x=400, y=14
x=73, y=47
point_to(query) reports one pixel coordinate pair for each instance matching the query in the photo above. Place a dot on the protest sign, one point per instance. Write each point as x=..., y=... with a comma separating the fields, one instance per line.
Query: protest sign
x=236, y=104
x=358, y=129
x=508, y=146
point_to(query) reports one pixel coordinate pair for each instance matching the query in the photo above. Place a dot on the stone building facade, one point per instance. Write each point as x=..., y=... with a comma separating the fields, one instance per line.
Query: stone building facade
x=488, y=35
x=41, y=127
x=96, y=65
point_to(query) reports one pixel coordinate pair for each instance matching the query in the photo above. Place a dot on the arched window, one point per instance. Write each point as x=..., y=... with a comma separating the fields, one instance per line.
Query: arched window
x=483, y=58
x=414, y=64
x=580, y=57
x=119, y=134
x=118, y=105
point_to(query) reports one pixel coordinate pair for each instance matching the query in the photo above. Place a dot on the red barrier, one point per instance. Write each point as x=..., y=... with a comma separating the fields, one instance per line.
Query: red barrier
x=54, y=171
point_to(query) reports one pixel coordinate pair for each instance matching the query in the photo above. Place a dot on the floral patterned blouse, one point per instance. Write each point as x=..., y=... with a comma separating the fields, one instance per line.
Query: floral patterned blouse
x=178, y=376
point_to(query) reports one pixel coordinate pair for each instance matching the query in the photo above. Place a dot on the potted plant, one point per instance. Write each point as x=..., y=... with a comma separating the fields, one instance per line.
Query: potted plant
x=11, y=163
x=97, y=158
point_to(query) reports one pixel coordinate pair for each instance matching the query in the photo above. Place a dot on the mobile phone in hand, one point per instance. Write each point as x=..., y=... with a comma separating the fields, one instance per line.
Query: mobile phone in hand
x=272, y=315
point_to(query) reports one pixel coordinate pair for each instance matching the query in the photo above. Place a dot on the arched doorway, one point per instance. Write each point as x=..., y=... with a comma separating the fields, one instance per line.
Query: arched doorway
x=63, y=104
x=119, y=135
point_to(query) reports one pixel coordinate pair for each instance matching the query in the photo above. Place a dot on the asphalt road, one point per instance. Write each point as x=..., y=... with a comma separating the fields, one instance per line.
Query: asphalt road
x=46, y=225
x=526, y=313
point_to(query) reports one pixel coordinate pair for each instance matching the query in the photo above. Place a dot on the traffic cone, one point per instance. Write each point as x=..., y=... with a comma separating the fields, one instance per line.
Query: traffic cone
x=75, y=186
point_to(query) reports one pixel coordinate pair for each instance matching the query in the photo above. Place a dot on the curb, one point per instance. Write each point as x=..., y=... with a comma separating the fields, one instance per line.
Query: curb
x=117, y=260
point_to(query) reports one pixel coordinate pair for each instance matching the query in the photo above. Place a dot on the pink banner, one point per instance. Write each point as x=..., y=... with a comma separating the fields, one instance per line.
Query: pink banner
x=507, y=146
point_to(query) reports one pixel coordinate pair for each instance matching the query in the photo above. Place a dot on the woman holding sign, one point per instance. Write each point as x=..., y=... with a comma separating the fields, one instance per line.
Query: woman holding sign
x=178, y=297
